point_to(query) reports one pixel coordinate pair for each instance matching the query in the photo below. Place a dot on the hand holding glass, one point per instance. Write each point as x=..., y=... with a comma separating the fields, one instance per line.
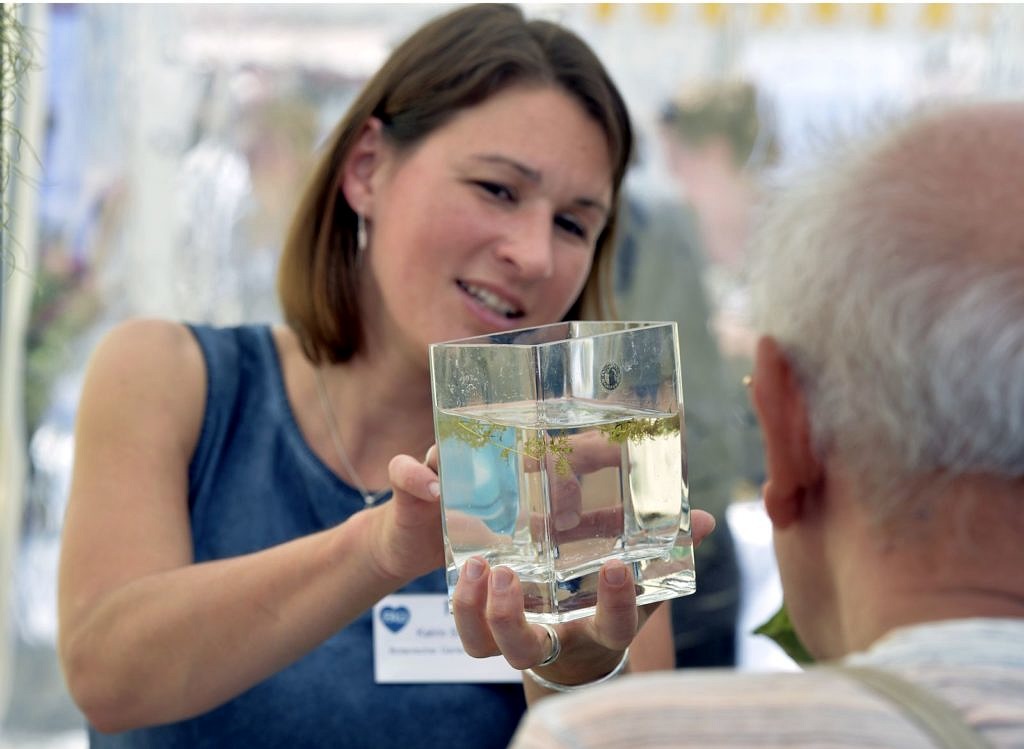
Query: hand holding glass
x=562, y=447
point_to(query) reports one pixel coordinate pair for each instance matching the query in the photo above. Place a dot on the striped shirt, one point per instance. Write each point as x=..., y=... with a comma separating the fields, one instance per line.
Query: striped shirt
x=976, y=665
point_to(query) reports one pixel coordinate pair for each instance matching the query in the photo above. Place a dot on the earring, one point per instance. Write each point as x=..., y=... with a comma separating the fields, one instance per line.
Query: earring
x=360, y=235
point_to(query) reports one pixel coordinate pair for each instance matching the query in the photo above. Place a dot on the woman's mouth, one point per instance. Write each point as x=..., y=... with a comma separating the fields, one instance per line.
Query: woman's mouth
x=491, y=301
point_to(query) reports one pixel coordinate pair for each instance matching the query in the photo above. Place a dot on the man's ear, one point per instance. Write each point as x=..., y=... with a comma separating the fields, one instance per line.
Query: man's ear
x=790, y=462
x=355, y=178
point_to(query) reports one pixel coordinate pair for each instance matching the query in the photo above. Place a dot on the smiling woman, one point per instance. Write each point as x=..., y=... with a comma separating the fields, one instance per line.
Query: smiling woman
x=472, y=186
x=479, y=228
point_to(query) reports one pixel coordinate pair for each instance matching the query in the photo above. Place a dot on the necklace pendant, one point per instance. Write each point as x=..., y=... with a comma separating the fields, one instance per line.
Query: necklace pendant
x=369, y=498
x=372, y=498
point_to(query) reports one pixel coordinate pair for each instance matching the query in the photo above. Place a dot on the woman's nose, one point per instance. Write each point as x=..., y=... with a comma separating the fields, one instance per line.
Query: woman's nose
x=527, y=245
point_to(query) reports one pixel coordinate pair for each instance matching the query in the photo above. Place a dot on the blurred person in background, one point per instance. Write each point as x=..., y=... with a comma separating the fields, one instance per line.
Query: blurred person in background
x=683, y=260
x=237, y=189
x=658, y=277
x=721, y=144
x=719, y=141
x=888, y=291
x=242, y=497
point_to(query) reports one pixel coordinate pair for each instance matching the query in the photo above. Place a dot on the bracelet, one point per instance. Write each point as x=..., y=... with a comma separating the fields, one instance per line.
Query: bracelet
x=556, y=687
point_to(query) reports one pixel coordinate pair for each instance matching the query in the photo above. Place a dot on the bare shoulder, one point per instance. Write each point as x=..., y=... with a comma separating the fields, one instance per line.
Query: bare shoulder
x=150, y=371
x=148, y=336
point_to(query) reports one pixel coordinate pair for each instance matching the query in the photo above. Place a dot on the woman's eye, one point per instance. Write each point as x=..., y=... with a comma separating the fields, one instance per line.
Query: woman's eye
x=567, y=223
x=497, y=190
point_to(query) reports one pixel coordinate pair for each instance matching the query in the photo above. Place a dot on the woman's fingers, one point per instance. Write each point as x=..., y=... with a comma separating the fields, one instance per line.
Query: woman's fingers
x=522, y=644
x=616, y=620
x=411, y=477
x=408, y=528
x=701, y=525
x=592, y=451
x=469, y=604
x=488, y=608
x=566, y=501
x=430, y=461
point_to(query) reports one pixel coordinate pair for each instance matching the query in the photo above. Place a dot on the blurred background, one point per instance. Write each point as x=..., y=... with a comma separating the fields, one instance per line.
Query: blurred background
x=151, y=154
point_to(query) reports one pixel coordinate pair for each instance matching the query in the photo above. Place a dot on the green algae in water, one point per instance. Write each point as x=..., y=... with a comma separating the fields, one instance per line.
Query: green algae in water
x=555, y=443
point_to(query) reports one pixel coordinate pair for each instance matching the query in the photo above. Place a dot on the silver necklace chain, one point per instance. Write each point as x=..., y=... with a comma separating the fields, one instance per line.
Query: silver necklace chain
x=370, y=498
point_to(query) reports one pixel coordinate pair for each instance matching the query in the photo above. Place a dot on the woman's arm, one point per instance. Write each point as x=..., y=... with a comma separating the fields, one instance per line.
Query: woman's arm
x=653, y=648
x=145, y=635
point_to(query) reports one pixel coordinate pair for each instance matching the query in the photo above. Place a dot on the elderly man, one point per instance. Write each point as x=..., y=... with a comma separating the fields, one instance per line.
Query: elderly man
x=889, y=385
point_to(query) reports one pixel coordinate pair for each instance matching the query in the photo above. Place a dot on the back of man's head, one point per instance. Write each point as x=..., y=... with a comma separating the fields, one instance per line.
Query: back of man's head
x=893, y=278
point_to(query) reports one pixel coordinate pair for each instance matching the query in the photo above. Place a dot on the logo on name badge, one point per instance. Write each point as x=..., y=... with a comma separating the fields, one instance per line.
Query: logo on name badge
x=394, y=618
x=611, y=376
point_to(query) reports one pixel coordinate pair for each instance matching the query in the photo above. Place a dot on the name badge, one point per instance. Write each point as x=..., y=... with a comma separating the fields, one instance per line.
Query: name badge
x=415, y=642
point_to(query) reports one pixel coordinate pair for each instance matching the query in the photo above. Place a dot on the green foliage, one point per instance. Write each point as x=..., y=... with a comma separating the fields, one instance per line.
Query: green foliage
x=63, y=306
x=559, y=448
x=555, y=445
x=476, y=434
x=16, y=59
x=473, y=434
x=640, y=429
x=780, y=629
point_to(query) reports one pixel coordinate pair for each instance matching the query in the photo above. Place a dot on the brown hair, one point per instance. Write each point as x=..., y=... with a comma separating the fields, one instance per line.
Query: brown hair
x=454, y=62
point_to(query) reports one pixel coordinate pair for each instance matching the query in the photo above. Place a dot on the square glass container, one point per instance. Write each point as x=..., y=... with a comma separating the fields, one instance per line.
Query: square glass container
x=562, y=447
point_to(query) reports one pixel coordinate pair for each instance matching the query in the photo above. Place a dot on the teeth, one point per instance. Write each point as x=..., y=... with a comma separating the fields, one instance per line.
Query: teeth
x=490, y=299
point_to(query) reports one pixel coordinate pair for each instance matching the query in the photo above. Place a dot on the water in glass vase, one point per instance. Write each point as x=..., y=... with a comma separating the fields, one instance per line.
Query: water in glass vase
x=554, y=489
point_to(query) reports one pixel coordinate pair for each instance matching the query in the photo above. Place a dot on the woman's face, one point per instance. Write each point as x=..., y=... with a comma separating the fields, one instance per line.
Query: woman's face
x=490, y=223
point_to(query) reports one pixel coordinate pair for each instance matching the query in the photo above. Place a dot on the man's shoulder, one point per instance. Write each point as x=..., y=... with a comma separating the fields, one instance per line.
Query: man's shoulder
x=709, y=707
x=807, y=708
x=954, y=643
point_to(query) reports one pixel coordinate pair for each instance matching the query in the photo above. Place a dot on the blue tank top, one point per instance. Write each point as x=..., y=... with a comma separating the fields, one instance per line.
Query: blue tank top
x=254, y=482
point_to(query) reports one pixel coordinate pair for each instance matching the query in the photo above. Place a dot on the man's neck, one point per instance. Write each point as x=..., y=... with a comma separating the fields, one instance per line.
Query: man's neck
x=962, y=559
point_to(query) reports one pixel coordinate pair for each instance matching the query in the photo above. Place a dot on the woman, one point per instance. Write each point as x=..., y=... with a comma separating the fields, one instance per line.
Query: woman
x=226, y=535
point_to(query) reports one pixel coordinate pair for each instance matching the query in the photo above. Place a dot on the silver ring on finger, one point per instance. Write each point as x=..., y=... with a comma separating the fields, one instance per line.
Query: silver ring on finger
x=556, y=646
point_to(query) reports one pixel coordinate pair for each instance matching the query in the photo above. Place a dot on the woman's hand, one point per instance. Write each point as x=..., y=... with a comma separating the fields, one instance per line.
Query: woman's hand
x=408, y=527
x=488, y=608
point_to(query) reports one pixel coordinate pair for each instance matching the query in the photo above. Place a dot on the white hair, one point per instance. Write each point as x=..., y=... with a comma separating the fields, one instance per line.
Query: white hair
x=893, y=278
